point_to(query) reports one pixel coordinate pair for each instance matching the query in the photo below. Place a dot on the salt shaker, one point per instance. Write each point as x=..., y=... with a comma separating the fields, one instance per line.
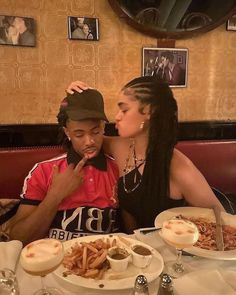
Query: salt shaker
x=166, y=285
x=141, y=286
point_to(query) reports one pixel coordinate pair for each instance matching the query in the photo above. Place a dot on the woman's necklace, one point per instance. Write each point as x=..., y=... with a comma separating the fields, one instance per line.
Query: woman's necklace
x=132, y=164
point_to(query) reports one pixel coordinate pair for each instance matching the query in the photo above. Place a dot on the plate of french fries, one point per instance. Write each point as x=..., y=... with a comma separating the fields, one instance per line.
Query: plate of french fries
x=85, y=263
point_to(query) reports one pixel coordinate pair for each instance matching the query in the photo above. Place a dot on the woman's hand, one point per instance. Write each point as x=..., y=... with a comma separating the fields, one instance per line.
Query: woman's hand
x=78, y=86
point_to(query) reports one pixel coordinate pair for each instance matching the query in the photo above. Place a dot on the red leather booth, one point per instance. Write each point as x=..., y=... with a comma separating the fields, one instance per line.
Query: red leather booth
x=215, y=159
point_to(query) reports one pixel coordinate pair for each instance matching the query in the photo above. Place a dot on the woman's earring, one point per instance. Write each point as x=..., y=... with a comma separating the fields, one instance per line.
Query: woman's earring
x=68, y=138
x=141, y=125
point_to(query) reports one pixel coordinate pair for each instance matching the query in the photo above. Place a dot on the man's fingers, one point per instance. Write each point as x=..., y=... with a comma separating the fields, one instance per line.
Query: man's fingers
x=81, y=164
x=71, y=166
x=55, y=170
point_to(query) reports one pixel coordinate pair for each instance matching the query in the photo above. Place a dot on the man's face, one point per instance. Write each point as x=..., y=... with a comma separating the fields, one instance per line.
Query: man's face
x=17, y=23
x=80, y=22
x=86, y=136
x=164, y=61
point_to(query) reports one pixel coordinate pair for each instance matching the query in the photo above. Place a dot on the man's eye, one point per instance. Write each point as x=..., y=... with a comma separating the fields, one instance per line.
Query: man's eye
x=95, y=132
x=124, y=111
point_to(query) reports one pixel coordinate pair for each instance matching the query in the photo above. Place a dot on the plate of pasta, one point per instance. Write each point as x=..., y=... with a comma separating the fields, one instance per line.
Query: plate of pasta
x=205, y=220
x=85, y=263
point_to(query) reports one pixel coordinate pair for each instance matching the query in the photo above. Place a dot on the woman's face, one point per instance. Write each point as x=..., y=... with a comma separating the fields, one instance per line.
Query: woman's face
x=129, y=120
x=86, y=29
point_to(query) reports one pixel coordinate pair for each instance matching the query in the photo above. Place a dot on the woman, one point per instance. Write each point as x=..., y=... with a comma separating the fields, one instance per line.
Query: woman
x=154, y=176
x=87, y=32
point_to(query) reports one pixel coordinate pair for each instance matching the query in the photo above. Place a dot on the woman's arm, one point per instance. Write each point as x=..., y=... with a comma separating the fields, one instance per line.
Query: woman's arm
x=191, y=183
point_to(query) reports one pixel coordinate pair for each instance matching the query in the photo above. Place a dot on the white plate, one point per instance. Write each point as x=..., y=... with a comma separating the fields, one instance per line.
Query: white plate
x=227, y=219
x=113, y=280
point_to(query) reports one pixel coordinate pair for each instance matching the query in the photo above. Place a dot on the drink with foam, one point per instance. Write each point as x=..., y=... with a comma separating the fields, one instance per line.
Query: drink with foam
x=42, y=256
x=179, y=233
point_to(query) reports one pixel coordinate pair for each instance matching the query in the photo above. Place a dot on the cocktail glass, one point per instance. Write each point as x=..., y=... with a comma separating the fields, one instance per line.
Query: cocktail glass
x=181, y=234
x=40, y=258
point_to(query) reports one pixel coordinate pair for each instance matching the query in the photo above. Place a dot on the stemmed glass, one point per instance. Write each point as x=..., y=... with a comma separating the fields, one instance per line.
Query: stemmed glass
x=181, y=234
x=8, y=282
x=40, y=258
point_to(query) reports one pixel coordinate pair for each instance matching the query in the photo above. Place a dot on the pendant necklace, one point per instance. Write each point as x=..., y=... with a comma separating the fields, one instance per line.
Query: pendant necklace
x=132, y=164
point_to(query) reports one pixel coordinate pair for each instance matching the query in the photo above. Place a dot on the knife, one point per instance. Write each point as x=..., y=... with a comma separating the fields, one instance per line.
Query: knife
x=146, y=231
x=219, y=232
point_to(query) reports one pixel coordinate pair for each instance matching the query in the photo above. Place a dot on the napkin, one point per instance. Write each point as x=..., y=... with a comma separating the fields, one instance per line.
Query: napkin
x=204, y=282
x=9, y=254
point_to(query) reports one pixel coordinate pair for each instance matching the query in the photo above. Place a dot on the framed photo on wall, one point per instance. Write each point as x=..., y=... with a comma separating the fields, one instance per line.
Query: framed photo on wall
x=83, y=28
x=168, y=63
x=231, y=23
x=17, y=30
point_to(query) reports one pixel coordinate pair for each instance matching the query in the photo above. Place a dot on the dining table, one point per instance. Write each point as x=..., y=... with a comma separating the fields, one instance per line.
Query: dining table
x=206, y=276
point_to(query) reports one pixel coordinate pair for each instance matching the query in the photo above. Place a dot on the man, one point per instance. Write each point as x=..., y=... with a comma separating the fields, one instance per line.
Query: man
x=25, y=37
x=169, y=70
x=78, y=33
x=73, y=194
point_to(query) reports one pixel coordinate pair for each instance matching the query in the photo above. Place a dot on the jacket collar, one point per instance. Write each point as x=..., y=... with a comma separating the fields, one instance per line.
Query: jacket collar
x=98, y=162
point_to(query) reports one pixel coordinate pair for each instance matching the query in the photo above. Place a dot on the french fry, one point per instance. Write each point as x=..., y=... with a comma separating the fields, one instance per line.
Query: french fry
x=91, y=273
x=84, y=260
x=99, y=260
x=88, y=259
x=90, y=247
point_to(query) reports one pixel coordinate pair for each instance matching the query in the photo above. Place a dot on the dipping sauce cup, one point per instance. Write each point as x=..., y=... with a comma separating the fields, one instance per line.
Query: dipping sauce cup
x=118, y=258
x=141, y=255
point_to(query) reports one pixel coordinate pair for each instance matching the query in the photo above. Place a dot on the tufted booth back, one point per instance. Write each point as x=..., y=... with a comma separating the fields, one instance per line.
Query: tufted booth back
x=215, y=159
x=15, y=164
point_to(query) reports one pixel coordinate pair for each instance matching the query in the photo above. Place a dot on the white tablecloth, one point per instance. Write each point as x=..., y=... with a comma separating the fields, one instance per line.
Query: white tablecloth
x=208, y=277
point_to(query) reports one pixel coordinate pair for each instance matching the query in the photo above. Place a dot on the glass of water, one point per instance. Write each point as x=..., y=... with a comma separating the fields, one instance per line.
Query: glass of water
x=8, y=282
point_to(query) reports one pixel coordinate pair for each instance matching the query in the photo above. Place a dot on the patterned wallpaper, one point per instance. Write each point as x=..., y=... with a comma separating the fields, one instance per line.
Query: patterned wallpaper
x=33, y=80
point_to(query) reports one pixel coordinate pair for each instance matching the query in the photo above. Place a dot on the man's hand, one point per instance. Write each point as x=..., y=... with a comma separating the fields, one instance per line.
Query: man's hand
x=66, y=182
x=78, y=86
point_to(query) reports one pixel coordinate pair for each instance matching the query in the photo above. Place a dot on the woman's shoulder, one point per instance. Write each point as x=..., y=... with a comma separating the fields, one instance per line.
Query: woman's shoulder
x=181, y=166
x=115, y=144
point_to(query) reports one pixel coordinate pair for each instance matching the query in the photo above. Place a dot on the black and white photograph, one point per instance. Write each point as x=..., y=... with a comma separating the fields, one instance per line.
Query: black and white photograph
x=83, y=28
x=231, y=23
x=168, y=63
x=17, y=30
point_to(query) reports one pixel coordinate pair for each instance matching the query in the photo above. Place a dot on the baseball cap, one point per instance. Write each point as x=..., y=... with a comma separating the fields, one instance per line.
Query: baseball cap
x=85, y=105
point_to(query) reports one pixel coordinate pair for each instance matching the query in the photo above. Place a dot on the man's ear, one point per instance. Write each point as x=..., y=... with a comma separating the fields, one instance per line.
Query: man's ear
x=66, y=131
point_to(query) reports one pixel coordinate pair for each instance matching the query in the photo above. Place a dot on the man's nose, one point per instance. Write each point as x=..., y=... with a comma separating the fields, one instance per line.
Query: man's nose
x=89, y=139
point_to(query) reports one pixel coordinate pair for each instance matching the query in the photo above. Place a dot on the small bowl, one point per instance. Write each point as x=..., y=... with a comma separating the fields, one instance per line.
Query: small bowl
x=141, y=255
x=118, y=258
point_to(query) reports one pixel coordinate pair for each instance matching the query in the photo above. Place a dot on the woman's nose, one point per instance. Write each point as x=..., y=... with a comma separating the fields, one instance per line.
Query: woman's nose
x=117, y=116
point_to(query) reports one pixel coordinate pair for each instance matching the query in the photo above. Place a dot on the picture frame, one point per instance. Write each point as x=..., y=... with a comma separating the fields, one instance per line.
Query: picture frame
x=171, y=64
x=83, y=28
x=17, y=30
x=231, y=23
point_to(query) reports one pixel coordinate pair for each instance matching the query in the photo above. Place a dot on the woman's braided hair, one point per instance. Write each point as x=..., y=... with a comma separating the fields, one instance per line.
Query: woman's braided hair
x=162, y=138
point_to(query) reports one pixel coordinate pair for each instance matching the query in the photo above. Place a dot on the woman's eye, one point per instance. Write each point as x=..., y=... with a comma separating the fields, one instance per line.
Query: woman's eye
x=124, y=111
